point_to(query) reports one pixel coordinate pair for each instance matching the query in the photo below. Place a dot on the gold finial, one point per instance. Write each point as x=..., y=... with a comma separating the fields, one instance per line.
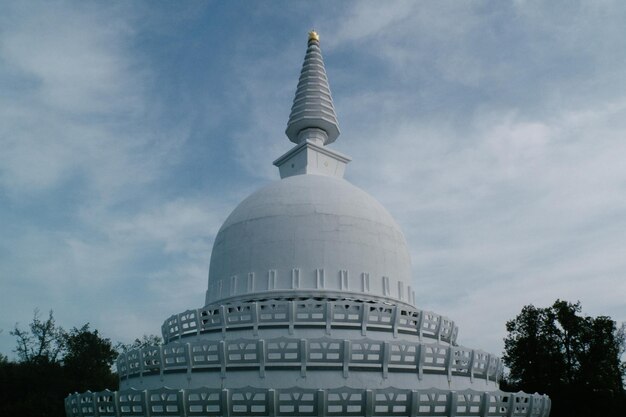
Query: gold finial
x=313, y=36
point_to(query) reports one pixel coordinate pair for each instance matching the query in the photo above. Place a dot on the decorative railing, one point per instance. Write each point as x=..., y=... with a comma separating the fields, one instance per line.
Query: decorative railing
x=310, y=313
x=305, y=354
x=249, y=402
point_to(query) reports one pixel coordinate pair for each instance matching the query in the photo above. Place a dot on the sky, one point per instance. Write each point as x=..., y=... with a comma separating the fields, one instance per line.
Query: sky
x=494, y=132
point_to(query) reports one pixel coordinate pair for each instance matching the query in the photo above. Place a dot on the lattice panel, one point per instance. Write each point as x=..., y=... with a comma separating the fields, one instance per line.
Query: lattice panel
x=105, y=403
x=380, y=316
x=435, y=357
x=165, y=402
x=283, y=352
x=297, y=402
x=325, y=352
x=132, y=403
x=151, y=359
x=133, y=361
x=345, y=402
x=210, y=319
x=205, y=354
x=188, y=321
x=86, y=404
x=346, y=314
x=274, y=313
x=367, y=353
x=310, y=313
x=433, y=403
x=242, y=315
x=408, y=319
x=461, y=361
x=392, y=402
x=249, y=402
x=175, y=356
x=242, y=353
x=403, y=355
x=468, y=404
x=203, y=402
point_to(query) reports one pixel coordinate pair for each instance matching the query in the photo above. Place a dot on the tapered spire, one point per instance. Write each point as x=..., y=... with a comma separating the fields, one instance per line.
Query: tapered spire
x=313, y=114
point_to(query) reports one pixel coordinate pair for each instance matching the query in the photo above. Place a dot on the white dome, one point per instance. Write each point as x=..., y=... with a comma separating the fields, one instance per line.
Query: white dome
x=309, y=232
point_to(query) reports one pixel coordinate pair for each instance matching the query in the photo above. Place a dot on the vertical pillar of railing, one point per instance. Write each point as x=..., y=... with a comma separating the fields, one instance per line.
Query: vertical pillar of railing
x=386, y=355
x=116, y=401
x=140, y=355
x=147, y=411
x=511, y=409
x=303, y=357
x=346, y=358
x=451, y=331
x=271, y=402
x=452, y=403
x=487, y=367
x=261, y=351
x=256, y=318
x=364, y=318
x=471, y=366
x=198, y=321
x=223, y=319
x=414, y=403
x=329, y=316
x=179, y=326
x=497, y=371
x=449, y=360
x=119, y=371
x=438, y=329
x=547, y=406
x=80, y=404
x=223, y=357
x=420, y=361
x=484, y=405
x=394, y=321
x=162, y=361
x=420, y=325
x=291, y=315
x=81, y=412
x=96, y=412
x=225, y=400
x=531, y=404
x=189, y=360
x=180, y=399
x=80, y=407
x=542, y=407
x=369, y=403
x=321, y=403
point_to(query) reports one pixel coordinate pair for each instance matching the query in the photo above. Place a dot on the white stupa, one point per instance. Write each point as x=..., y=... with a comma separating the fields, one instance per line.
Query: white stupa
x=310, y=309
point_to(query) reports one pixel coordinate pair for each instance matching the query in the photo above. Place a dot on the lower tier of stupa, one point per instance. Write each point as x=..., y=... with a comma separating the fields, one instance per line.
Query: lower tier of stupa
x=308, y=357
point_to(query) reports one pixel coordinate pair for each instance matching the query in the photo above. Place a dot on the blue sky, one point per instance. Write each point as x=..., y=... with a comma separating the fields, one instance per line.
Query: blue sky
x=494, y=132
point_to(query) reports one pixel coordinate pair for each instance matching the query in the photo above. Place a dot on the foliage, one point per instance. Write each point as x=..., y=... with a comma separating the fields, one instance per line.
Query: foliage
x=88, y=359
x=51, y=364
x=42, y=343
x=573, y=358
x=146, y=340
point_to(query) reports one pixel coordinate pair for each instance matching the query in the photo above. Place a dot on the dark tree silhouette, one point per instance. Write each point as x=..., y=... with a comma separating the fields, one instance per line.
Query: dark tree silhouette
x=88, y=359
x=42, y=342
x=51, y=364
x=573, y=358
